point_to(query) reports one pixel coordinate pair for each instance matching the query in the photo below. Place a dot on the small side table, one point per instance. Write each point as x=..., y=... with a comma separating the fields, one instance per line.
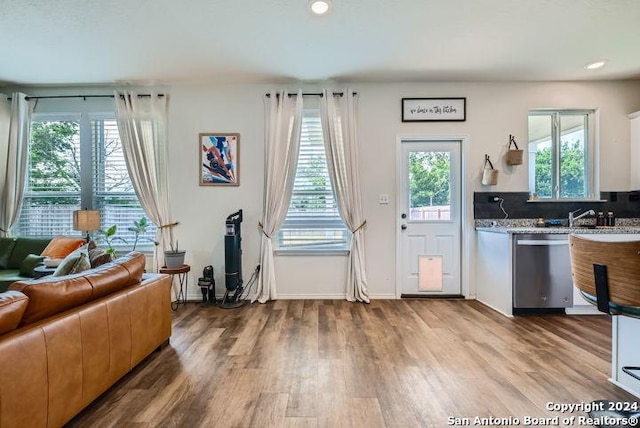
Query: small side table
x=42, y=270
x=183, y=280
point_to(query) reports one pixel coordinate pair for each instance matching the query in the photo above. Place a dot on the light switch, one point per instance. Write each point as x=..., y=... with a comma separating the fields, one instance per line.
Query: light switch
x=383, y=198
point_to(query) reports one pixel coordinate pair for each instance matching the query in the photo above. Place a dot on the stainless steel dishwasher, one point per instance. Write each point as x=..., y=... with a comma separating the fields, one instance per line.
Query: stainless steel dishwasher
x=541, y=272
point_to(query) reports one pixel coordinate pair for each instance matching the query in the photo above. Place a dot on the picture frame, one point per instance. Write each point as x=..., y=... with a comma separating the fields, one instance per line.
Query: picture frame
x=219, y=156
x=434, y=109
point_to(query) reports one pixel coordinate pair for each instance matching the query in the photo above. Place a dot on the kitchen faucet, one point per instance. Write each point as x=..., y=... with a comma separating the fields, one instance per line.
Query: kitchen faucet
x=572, y=218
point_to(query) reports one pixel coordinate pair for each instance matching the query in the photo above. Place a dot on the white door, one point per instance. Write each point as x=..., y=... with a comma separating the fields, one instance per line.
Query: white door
x=429, y=217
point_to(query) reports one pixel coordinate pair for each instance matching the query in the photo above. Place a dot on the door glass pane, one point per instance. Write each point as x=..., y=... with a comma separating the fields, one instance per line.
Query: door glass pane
x=540, y=154
x=430, y=186
x=572, y=156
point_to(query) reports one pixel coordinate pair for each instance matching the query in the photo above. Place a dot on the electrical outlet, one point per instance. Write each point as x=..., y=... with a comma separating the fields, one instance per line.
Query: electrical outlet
x=493, y=198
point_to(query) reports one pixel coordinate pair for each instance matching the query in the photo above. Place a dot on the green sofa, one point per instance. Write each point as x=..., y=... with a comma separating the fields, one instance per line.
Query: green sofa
x=14, y=263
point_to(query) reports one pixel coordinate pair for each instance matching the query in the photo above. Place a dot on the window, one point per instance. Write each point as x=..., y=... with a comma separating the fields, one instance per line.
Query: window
x=430, y=185
x=76, y=161
x=313, y=221
x=561, y=154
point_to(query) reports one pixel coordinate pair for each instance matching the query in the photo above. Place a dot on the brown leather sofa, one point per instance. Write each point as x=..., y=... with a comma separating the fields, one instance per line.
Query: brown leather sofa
x=66, y=340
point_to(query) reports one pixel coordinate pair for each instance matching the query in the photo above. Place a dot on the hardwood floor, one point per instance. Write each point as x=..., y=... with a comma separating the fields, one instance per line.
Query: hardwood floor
x=329, y=363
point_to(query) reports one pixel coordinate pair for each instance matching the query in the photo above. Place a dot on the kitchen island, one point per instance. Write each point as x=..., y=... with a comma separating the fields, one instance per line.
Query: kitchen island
x=495, y=288
x=495, y=255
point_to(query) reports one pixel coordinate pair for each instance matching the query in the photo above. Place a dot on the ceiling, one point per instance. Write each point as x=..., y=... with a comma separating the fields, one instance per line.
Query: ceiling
x=78, y=42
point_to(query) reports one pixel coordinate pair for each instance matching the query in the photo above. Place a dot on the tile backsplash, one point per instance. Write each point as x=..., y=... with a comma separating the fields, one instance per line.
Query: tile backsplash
x=623, y=205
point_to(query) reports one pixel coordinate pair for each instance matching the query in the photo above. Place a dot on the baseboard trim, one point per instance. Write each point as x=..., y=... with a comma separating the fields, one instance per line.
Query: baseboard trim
x=332, y=296
x=432, y=296
x=495, y=309
x=583, y=310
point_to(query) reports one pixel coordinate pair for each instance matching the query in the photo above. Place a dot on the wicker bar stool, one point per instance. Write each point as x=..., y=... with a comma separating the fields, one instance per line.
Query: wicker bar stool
x=607, y=273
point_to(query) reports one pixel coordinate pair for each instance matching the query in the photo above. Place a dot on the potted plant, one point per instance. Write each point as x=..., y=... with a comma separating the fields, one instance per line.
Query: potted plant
x=140, y=227
x=109, y=236
x=174, y=258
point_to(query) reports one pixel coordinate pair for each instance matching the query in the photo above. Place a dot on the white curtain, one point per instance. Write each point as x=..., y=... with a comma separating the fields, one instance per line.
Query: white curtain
x=282, y=140
x=338, y=118
x=142, y=123
x=14, y=158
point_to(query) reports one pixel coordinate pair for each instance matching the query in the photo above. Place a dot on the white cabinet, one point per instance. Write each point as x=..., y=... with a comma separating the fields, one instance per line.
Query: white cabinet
x=493, y=271
x=635, y=150
x=626, y=352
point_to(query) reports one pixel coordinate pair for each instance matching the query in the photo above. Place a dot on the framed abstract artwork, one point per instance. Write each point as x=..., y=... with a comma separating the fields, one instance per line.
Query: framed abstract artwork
x=219, y=159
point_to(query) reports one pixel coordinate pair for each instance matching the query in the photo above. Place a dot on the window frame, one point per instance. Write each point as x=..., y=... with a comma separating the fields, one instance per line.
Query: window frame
x=88, y=198
x=591, y=155
x=313, y=222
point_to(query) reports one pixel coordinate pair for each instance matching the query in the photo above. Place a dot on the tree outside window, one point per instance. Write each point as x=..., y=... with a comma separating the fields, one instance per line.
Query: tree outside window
x=560, y=158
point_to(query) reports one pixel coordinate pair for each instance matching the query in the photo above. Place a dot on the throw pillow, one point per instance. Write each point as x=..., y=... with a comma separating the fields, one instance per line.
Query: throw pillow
x=61, y=246
x=75, y=262
x=98, y=257
x=6, y=247
x=29, y=263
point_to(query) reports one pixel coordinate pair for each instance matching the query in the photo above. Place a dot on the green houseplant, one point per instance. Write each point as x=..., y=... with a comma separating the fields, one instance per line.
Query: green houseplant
x=140, y=227
x=109, y=235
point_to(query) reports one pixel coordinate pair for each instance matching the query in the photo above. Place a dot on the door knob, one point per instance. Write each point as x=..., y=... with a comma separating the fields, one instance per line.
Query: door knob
x=403, y=215
x=403, y=227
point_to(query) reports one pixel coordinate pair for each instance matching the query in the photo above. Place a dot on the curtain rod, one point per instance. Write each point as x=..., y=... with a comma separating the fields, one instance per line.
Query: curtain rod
x=84, y=97
x=317, y=94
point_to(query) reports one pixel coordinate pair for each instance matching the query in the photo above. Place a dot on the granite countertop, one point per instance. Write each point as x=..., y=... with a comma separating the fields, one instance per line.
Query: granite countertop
x=557, y=230
x=623, y=226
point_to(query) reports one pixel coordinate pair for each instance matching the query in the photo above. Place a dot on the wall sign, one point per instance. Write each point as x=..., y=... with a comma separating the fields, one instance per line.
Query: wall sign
x=434, y=109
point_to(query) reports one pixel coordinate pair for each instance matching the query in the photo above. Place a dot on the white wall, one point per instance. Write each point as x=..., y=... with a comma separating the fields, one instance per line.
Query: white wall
x=494, y=110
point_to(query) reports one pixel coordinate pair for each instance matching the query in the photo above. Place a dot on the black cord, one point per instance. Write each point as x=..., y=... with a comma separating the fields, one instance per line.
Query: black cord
x=252, y=280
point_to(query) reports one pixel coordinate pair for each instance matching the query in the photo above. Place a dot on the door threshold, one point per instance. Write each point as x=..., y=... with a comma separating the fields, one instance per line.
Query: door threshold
x=431, y=296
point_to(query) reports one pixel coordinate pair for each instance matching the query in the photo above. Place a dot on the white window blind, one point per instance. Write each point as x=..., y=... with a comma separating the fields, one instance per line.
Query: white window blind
x=70, y=169
x=113, y=192
x=53, y=185
x=313, y=221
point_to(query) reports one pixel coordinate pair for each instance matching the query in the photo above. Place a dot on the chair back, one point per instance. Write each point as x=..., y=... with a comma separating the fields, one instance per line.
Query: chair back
x=622, y=259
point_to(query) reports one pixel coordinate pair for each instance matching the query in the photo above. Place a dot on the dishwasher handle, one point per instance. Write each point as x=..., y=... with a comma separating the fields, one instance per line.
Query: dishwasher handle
x=541, y=242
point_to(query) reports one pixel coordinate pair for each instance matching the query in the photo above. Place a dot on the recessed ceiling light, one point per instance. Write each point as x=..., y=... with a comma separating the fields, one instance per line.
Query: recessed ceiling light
x=320, y=7
x=595, y=65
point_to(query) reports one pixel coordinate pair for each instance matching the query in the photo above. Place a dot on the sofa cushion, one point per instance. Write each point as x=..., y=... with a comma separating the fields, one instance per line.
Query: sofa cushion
x=61, y=246
x=8, y=277
x=51, y=295
x=12, y=306
x=77, y=261
x=6, y=247
x=113, y=276
x=29, y=263
x=24, y=247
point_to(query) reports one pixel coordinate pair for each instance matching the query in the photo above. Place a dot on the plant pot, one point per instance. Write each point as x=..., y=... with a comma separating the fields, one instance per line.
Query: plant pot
x=174, y=259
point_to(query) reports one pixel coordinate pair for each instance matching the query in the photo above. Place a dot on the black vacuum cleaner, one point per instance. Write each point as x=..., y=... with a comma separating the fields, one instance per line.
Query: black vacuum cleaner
x=207, y=285
x=233, y=262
